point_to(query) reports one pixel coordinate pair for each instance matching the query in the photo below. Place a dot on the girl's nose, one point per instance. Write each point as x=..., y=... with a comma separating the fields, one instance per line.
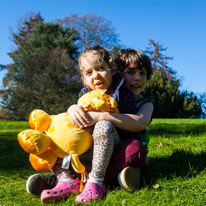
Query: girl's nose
x=95, y=74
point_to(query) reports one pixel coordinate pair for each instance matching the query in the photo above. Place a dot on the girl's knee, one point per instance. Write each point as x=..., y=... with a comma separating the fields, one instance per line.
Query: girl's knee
x=103, y=123
x=102, y=128
x=105, y=131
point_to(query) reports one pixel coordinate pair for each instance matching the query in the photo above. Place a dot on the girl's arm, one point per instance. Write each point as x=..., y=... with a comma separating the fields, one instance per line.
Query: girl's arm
x=78, y=116
x=130, y=122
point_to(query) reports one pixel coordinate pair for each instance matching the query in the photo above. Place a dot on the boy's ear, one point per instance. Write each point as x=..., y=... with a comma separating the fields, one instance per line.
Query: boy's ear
x=113, y=72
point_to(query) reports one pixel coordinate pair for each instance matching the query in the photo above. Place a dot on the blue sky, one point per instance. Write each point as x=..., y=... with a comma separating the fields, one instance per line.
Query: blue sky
x=180, y=25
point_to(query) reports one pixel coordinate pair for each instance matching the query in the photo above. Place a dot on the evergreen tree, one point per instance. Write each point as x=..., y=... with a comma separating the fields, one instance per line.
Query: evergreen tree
x=163, y=88
x=44, y=74
x=25, y=29
x=203, y=103
x=191, y=105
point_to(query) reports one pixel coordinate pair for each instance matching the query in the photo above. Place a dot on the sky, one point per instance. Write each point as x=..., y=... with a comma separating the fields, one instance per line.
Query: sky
x=179, y=25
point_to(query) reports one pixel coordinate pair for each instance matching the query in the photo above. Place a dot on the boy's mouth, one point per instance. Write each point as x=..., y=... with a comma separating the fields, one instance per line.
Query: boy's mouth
x=135, y=86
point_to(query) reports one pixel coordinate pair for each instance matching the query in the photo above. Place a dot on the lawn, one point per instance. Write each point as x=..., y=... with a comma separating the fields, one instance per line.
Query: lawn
x=176, y=174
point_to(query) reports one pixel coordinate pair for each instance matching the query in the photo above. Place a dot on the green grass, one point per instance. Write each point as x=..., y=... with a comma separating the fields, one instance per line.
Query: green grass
x=177, y=166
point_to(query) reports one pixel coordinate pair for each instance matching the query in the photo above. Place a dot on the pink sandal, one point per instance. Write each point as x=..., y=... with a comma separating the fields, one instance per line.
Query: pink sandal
x=91, y=192
x=61, y=191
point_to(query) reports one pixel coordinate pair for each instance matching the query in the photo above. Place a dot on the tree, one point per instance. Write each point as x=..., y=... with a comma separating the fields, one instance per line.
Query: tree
x=93, y=30
x=25, y=29
x=203, y=101
x=164, y=94
x=44, y=74
x=158, y=60
x=191, y=105
x=163, y=88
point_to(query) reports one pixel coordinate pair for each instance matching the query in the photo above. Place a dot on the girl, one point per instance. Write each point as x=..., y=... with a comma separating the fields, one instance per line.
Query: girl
x=98, y=72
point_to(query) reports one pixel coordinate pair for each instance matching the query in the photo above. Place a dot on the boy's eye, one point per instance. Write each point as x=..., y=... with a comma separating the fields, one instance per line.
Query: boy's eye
x=143, y=73
x=130, y=72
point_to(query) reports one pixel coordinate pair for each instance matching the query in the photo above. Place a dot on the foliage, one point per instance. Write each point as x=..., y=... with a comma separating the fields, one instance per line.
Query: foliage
x=25, y=29
x=177, y=168
x=50, y=49
x=44, y=73
x=168, y=101
x=203, y=103
x=192, y=105
x=93, y=29
x=44, y=69
x=164, y=95
x=158, y=60
x=163, y=89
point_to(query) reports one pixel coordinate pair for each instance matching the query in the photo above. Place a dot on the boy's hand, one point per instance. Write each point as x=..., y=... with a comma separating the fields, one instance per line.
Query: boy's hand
x=93, y=117
x=78, y=116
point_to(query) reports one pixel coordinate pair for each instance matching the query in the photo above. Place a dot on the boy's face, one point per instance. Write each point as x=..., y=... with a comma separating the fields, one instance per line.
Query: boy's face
x=135, y=79
x=96, y=73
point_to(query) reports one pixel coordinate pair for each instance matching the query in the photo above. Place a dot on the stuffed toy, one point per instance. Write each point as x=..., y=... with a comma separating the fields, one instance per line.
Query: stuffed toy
x=53, y=136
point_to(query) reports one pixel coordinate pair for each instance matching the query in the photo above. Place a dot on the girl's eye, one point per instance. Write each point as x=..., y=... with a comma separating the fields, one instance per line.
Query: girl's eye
x=88, y=73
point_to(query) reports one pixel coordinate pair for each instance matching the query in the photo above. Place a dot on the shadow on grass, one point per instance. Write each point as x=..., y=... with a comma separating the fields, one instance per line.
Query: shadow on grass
x=179, y=164
x=177, y=130
x=12, y=156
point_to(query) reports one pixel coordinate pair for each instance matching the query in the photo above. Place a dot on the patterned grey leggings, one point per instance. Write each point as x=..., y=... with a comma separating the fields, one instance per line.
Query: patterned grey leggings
x=105, y=139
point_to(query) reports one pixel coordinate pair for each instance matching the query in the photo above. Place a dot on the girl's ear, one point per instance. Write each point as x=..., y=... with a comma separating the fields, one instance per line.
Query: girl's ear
x=83, y=81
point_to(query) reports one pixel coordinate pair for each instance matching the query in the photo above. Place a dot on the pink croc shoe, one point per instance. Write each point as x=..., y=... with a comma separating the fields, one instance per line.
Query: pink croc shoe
x=91, y=193
x=61, y=191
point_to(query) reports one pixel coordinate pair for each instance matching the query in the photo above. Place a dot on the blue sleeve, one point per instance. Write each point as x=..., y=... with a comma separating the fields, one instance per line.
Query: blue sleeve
x=83, y=91
x=127, y=101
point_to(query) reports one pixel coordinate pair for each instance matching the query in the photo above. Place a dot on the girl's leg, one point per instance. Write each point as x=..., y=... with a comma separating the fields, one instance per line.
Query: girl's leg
x=61, y=173
x=105, y=138
x=67, y=184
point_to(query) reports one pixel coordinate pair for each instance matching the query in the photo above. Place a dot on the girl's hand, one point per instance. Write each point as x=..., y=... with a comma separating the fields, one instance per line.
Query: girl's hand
x=78, y=116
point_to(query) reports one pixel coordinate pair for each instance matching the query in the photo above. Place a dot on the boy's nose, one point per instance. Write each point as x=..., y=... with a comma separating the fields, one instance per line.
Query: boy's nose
x=137, y=76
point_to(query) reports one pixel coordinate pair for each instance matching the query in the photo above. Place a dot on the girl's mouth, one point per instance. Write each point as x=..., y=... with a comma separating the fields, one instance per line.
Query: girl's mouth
x=99, y=84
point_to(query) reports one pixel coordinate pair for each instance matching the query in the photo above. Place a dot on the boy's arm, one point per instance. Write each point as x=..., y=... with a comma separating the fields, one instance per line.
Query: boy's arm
x=130, y=122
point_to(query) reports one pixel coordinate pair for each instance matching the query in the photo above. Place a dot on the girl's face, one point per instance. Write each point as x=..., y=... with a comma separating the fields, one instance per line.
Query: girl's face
x=135, y=79
x=96, y=73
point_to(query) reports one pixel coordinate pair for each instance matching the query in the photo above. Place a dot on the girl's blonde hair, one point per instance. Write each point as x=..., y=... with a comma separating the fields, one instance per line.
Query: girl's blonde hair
x=101, y=53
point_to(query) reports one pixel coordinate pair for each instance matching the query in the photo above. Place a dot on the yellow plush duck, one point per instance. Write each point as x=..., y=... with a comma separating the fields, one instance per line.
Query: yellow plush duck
x=53, y=136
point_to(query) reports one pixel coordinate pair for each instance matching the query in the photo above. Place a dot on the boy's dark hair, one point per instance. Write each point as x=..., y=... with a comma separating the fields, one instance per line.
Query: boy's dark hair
x=128, y=57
